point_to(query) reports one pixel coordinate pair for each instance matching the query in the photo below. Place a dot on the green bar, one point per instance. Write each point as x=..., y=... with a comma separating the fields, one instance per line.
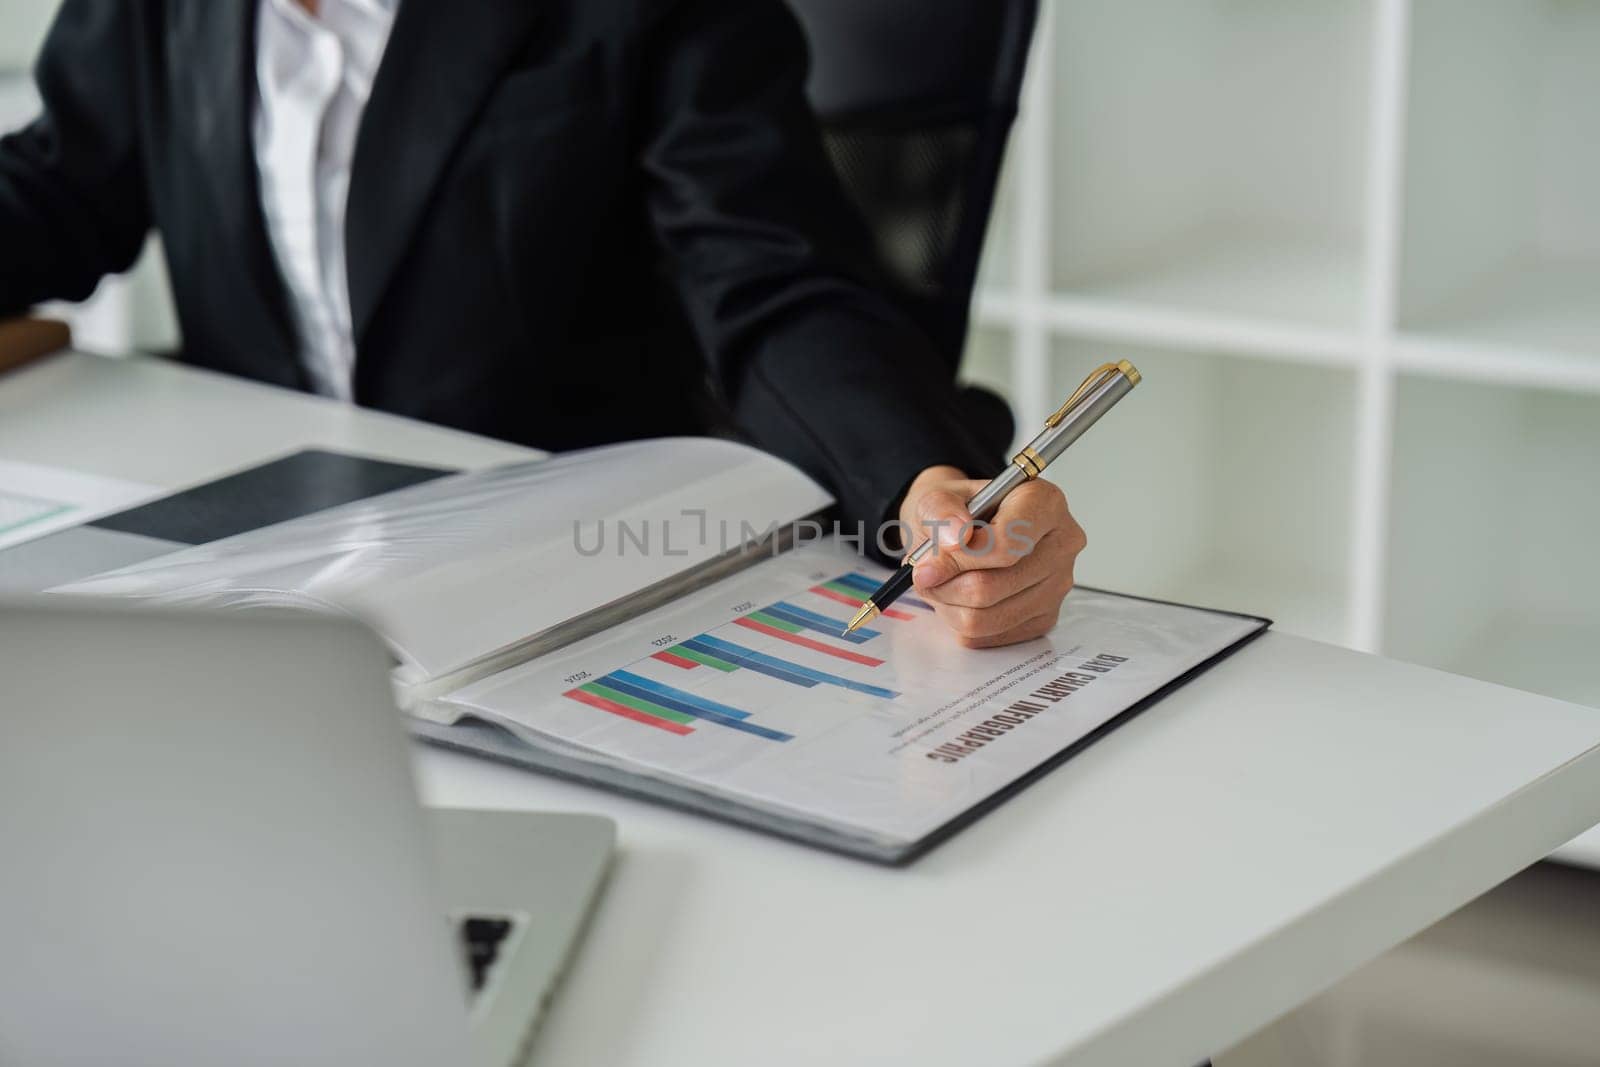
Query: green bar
x=636, y=704
x=848, y=590
x=702, y=658
x=781, y=624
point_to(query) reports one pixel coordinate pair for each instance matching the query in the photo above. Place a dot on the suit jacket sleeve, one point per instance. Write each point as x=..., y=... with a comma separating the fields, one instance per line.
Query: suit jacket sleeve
x=72, y=186
x=775, y=267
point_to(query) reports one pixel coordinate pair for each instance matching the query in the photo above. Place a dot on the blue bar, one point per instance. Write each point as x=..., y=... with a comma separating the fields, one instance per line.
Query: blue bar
x=755, y=660
x=750, y=665
x=820, y=623
x=868, y=587
x=623, y=682
x=860, y=581
x=678, y=694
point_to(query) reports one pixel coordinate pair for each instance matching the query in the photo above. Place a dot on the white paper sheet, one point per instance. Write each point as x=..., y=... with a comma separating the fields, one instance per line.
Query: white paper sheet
x=459, y=567
x=36, y=500
x=886, y=737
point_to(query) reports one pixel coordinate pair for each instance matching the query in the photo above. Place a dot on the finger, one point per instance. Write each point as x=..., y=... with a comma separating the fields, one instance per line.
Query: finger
x=1041, y=504
x=979, y=546
x=1028, y=630
x=1042, y=599
x=941, y=515
x=1050, y=559
x=987, y=588
x=1024, y=519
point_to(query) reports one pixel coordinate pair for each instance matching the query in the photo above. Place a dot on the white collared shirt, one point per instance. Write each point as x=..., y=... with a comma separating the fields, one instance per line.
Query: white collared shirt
x=313, y=78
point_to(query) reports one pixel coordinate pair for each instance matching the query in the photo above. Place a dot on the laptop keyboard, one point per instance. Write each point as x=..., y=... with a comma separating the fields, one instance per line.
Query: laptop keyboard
x=481, y=939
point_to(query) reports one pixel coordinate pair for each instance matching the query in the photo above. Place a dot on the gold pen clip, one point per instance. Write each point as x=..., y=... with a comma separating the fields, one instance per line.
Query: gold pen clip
x=1095, y=379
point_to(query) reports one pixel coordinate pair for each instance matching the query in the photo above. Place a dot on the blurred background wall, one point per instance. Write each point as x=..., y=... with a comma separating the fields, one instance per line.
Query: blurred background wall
x=22, y=26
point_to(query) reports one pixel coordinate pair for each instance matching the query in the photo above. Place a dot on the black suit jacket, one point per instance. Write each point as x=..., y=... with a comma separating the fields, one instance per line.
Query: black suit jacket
x=569, y=222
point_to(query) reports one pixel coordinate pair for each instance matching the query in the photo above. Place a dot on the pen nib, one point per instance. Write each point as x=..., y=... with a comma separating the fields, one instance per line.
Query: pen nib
x=868, y=612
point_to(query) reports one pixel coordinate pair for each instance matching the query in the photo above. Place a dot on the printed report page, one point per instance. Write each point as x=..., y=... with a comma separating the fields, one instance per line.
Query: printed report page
x=749, y=690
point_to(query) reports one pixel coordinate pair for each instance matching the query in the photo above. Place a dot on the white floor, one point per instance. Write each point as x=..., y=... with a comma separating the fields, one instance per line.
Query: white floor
x=1512, y=980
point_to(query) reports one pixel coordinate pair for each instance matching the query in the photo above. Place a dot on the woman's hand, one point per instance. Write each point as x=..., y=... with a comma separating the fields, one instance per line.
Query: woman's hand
x=1003, y=581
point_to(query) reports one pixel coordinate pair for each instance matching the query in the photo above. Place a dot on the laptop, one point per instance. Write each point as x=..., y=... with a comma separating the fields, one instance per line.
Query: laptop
x=211, y=851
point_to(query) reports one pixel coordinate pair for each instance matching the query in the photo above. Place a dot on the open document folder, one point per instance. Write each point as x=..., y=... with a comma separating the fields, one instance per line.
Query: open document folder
x=646, y=617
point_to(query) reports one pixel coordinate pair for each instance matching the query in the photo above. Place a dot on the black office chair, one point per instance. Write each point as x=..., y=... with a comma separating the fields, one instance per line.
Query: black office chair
x=916, y=100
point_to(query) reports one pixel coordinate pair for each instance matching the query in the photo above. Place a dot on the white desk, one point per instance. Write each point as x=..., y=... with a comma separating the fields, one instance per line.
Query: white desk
x=1283, y=819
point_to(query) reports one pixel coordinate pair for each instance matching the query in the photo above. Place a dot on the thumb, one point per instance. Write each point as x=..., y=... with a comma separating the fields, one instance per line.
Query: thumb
x=942, y=517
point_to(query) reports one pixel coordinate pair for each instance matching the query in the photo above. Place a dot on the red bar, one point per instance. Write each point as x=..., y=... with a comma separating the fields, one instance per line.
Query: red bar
x=888, y=613
x=806, y=642
x=596, y=701
x=676, y=660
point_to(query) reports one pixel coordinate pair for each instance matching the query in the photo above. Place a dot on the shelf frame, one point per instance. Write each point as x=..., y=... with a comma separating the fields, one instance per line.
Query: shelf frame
x=1378, y=348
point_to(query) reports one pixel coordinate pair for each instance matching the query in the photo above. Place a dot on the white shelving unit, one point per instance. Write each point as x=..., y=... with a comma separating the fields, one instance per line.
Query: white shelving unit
x=1355, y=246
x=1209, y=158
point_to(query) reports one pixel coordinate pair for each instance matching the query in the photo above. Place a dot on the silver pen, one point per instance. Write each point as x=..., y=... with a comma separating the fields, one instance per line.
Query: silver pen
x=1104, y=386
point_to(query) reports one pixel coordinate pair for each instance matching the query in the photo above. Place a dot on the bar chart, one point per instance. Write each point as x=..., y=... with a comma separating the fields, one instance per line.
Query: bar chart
x=744, y=698
x=802, y=622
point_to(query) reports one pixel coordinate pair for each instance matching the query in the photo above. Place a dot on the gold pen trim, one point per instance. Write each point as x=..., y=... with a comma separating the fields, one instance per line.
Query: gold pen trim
x=1095, y=379
x=868, y=612
x=1030, y=461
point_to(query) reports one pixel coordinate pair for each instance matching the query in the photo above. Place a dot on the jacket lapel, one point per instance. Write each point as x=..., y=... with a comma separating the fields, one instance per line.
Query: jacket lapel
x=440, y=63
x=223, y=37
